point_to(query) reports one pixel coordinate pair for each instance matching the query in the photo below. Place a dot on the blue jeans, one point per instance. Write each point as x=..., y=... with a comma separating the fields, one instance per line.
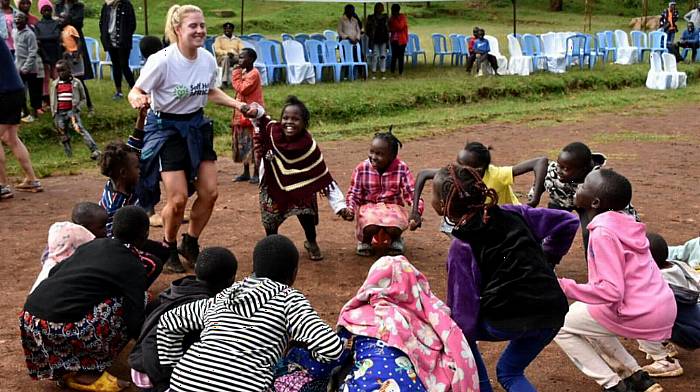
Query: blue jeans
x=523, y=348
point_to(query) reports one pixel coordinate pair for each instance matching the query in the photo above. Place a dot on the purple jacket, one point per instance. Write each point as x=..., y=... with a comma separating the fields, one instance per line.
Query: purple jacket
x=553, y=229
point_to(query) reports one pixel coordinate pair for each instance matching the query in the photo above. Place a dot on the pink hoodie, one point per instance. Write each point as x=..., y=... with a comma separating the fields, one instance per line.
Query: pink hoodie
x=625, y=292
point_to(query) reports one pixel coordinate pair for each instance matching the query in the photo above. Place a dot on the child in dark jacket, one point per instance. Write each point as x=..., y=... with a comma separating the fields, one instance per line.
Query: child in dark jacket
x=215, y=270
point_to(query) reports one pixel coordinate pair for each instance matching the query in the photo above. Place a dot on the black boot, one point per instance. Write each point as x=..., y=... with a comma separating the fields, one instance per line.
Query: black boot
x=173, y=265
x=620, y=387
x=189, y=248
x=67, y=149
x=641, y=382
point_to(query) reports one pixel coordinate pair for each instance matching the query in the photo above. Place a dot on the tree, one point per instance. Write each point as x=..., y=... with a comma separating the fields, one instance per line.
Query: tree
x=556, y=5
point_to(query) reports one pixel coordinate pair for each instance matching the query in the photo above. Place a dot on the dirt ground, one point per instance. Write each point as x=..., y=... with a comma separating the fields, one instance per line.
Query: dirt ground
x=663, y=170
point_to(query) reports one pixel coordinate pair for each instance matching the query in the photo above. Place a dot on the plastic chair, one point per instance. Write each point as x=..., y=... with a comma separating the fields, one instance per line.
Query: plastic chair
x=135, y=59
x=556, y=61
x=332, y=57
x=330, y=35
x=519, y=64
x=532, y=47
x=318, y=37
x=640, y=40
x=209, y=44
x=496, y=51
x=684, y=54
x=678, y=79
x=605, y=39
x=256, y=37
x=626, y=54
x=298, y=69
x=317, y=57
x=413, y=49
x=440, y=47
x=348, y=53
x=272, y=57
x=93, y=49
x=286, y=37
x=457, y=55
x=301, y=38
x=591, y=51
x=575, y=45
x=658, y=42
x=259, y=64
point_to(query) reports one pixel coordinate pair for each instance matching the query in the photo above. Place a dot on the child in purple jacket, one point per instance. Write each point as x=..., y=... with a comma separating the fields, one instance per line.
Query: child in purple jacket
x=501, y=284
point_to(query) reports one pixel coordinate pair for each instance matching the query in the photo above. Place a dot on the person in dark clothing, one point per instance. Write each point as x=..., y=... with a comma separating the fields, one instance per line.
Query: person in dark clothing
x=480, y=51
x=117, y=26
x=669, y=22
x=501, y=284
x=377, y=30
x=689, y=39
x=215, y=270
x=76, y=321
x=48, y=36
x=73, y=12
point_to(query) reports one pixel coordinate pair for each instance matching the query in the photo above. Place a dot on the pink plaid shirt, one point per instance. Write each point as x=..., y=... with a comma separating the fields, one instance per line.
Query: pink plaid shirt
x=395, y=186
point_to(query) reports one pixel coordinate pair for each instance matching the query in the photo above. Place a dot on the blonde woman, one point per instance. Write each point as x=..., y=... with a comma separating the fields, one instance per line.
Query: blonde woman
x=178, y=146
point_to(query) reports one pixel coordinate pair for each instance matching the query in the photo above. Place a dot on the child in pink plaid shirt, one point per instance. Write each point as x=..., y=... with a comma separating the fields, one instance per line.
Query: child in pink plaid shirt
x=380, y=187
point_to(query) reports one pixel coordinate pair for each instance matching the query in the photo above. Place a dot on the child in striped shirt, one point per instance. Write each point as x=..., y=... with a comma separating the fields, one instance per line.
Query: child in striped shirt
x=380, y=187
x=246, y=328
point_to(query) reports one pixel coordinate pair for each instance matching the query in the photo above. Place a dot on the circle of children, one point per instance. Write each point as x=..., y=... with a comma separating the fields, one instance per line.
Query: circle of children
x=211, y=332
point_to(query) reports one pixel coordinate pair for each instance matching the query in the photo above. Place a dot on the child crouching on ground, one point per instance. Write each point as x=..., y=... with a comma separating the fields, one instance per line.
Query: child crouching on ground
x=625, y=294
x=67, y=95
x=121, y=167
x=246, y=328
x=215, y=270
x=380, y=187
x=685, y=283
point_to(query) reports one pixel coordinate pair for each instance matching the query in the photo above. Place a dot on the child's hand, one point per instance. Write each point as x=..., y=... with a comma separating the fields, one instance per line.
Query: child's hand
x=138, y=100
x=415, y=221
x=346, y=214
x=250, y=111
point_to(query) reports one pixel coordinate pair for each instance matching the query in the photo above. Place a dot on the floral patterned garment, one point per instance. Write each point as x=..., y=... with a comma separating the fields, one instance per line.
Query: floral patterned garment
x=396, y=306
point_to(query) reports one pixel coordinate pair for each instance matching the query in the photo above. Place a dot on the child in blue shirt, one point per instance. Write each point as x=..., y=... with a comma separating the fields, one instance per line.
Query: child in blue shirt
x=481, y=53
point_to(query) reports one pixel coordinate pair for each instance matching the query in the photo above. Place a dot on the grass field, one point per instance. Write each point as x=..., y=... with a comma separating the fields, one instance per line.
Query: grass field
x=426, y=100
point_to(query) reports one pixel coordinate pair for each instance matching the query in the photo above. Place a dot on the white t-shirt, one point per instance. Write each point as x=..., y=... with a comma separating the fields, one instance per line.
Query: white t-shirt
x=176, y=84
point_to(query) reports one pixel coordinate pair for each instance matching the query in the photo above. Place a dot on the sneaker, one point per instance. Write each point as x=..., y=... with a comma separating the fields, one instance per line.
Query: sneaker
x=91, y=112
x=671, y=351
x=254, y=180
x=396, y=248
x=28, y=119
x=117, y=96
x=620, y=387
x=155, y=220
x=95, y=155
x=173, y=265
x=374, y=77
x=29, y=186
x=189, y=248
x=6, y=192
x=364, y=250
x=668, y=367
x=641, y=382
x=241, y=178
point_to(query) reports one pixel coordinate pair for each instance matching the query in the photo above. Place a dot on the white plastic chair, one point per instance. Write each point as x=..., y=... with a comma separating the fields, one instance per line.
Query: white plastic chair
x=678, y=79
x=556, y=59
x=519, y=64
x=657, y=79
x=496, y=51
x=626, y=54
x=298, y=69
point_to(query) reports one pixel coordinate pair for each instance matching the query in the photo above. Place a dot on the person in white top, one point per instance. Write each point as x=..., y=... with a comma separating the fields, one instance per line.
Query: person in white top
x=178, y=146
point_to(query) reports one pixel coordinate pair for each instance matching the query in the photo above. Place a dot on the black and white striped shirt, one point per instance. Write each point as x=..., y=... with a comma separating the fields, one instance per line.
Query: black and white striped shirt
x=245, y=330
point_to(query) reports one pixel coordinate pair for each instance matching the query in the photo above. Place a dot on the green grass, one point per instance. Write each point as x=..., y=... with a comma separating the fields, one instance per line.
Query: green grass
x=426, y=101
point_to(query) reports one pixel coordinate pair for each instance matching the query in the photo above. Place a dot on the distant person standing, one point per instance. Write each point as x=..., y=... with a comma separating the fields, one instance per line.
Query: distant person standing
x=73, y=13
x=28, y=63
x=693, y=15
x=227, y=48
x=11, y=101
x=7, y=24
x=48, y=37
x=117, y=26
x=25, y=6
x=349, y=26
x=377, y=30
x=398, y=28
x=669, y=22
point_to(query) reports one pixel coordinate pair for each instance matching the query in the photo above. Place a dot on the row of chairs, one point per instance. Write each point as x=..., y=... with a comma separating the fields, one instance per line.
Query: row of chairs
x=98, y=63
x=663, y=73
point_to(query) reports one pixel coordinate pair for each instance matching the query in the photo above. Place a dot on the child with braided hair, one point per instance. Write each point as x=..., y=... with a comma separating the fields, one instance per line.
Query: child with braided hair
x=380, y=187
x=501, y=284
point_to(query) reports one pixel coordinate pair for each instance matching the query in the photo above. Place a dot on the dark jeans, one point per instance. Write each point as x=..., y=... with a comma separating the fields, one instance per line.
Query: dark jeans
x=397, y=55
x=693, y=49
x=33, y=86
x=308, y=223
x=686, y=328
x=120, y=66
x=523, y=348
x=489, y=57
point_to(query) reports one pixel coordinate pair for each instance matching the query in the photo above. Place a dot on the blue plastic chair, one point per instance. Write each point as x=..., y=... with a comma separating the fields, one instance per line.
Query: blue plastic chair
x=332, y=57
x=135, y=59
x=256, y=37
x=318, y=37
x=658, y=42
x=413, y=49
x=348, y=53
x=301, y=38
x=316, y=52
x=606, y=42
x=590, y=50
x=639, y=39
x=440, y=47
x=287, y=37
x=532, y=46
x=209, y=44
x=93, y=49
x=575, y=45
x=271, y=52
x=330, y=35
x=458, y=52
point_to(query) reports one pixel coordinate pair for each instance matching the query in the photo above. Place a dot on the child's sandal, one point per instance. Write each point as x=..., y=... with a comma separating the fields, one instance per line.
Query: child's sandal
x=364, y=250
x=313, y=250
x=396, y=248
x=105, y=383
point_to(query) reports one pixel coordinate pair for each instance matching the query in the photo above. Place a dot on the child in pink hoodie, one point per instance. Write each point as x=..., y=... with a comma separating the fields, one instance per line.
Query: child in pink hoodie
x=625, y=294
